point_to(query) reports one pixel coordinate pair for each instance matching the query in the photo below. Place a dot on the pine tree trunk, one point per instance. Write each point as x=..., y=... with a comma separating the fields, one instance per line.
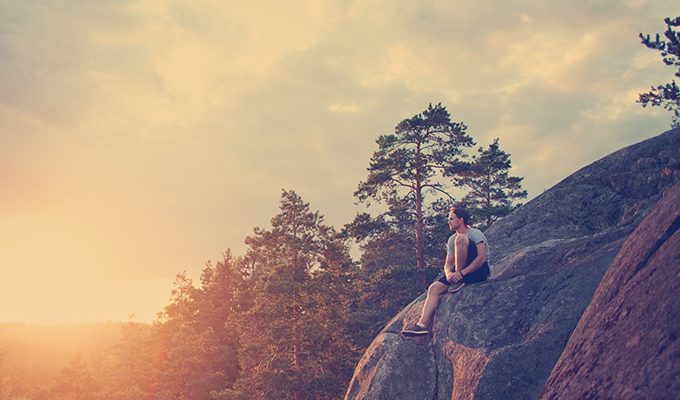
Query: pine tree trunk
x=420, y=239
x=420, y=256
x=420, y=253
x=296, y=357
x=488, y=201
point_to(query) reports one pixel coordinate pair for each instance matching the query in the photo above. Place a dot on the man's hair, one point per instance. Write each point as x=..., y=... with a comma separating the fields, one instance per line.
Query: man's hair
x=461, y=213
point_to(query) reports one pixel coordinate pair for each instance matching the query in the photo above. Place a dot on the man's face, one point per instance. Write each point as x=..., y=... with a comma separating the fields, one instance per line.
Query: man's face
x=454, y=221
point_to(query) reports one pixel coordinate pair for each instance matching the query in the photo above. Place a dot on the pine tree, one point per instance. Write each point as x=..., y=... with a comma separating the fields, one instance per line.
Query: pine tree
x=334, y=295
x=387, y=280
x=219, y=311
x=128, y=368
x=75, y=381
x=666, y=95
x=409, y=162
x=183, y=307
x=386, y=240
x=492, y=190
x=191, y=339
x=297, y=300
x=187, y=371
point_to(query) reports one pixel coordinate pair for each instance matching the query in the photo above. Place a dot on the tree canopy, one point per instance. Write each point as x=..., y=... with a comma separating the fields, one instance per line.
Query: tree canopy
x=666, y=95
x=293, y=338
x=492, y=190
x=407, y=164
x=290, y=318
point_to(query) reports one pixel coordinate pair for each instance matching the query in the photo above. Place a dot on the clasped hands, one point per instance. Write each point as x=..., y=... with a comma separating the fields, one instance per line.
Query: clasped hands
x=454, y=276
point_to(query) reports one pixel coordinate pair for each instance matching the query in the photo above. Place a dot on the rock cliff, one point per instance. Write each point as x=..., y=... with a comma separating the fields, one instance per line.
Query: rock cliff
x=501, y=339
x=626, y=344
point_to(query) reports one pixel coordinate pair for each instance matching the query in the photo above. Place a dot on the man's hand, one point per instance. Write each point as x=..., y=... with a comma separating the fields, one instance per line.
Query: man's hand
x=455, y=277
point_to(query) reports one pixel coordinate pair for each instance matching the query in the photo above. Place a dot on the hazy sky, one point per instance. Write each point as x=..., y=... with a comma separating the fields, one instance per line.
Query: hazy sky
x=139, y=139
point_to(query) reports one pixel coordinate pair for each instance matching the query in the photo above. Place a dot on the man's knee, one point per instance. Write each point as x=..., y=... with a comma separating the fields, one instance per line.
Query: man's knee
x=437, y=289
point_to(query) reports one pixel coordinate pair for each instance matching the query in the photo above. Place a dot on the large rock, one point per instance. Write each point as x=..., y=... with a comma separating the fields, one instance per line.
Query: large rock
x=501, y=339
x=626, y=344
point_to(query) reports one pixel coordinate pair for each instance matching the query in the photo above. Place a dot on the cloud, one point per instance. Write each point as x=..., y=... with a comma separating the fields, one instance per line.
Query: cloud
x=142, y=138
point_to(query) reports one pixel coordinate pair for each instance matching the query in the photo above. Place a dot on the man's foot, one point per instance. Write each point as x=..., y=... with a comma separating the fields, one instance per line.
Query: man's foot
x=455, y=286
x=416, y=330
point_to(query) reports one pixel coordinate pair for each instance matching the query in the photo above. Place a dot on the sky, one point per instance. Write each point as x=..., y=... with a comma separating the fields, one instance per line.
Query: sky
x=140, y=139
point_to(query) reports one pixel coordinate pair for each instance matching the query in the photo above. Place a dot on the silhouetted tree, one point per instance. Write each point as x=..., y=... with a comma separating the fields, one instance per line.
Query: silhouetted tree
x=75, y=381
x=293, y=340
x=668, y=94
x=409, y=162
x=219, y=305
x=493, y=191
x=128, y=368
x=183, y=307
x=197, y=355
x=387, y=239
x=187, y=371
x=387, y=280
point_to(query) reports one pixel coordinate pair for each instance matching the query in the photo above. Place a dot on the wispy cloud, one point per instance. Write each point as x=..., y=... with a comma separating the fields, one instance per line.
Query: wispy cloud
x=140, y=138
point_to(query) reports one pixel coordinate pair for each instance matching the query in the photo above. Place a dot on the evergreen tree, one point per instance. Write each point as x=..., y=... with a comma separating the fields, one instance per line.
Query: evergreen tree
x=387, y=280
x=409, y=162
x=386, y=240
x=332, y=292
x=492, y=190
x=75, y=382
x=219, y=310
x=437, y=232
x=129, y=370
x=666, y=95
x=293, y=343
x=187, y=371
x=190, y=352
x=183, y=307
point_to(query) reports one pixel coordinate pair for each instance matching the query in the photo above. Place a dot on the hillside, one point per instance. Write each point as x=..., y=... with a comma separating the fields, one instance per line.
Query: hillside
x=502, y=338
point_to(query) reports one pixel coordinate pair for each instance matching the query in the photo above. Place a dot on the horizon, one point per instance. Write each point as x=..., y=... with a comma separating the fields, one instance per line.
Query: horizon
x=125, y=147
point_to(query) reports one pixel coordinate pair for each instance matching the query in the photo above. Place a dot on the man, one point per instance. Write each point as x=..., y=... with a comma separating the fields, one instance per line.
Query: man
x=467, y=252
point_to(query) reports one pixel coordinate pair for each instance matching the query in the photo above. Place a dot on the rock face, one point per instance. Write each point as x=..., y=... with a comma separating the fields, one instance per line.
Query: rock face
x=626, y=344
x=501, y=339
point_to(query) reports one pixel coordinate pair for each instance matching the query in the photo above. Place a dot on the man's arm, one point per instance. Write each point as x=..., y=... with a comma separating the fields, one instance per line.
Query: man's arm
x=449, y=265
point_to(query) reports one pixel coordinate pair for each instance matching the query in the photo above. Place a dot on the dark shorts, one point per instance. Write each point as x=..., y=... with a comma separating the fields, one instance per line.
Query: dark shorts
x=480, y=275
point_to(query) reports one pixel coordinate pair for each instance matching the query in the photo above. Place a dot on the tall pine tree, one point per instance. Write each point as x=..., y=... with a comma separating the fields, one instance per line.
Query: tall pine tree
x=386, y=240
x=293, y=342
x=75, y=381
x=408, y=163
x=666, y=95
x=128, y=367
x=189, y=346
x=493, y=191
x=219, y=304
x=387, y=281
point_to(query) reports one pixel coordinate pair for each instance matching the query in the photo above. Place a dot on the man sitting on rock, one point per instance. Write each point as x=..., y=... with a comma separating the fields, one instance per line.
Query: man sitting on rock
x=466, y=262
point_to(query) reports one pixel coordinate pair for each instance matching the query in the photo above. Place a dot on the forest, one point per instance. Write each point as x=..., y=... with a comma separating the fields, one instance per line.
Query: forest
x=290, y=318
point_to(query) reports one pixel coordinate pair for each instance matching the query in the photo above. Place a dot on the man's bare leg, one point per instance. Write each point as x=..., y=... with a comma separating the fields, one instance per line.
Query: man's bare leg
x=434, y=295
x=437, y=290
x=461, y=252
